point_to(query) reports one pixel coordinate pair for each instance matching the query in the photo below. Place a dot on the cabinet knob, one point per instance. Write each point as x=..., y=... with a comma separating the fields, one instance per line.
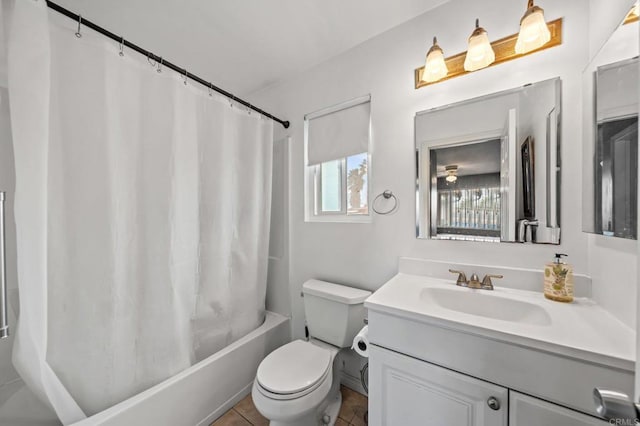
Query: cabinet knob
x=493, y=403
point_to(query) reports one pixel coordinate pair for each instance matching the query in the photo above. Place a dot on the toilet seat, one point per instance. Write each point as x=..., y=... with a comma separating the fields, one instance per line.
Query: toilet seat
x=294, y=370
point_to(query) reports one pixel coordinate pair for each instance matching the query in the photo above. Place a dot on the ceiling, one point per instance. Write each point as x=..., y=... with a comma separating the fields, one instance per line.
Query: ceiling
x=477, y=158
x=245, y=45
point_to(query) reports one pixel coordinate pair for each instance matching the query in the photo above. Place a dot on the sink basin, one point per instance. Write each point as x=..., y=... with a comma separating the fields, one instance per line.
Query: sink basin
x=483, y=303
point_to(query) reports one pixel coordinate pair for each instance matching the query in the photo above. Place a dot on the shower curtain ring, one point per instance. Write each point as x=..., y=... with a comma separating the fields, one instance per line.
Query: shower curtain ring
x=186, y=76
x=231, y=100
x=78, y=33
x=121, y=47
x=151, y=61
x=249, y=108
x=210, y=89
x=159, y=70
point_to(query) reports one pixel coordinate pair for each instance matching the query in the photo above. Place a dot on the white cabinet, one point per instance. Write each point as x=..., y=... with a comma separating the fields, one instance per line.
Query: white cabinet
x=406, y=391
x=528, y=411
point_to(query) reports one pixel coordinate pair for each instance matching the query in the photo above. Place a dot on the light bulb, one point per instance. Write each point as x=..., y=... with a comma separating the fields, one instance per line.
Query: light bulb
x=451, y=173
x=480, y=54
x=435, y=67
x=534, y=32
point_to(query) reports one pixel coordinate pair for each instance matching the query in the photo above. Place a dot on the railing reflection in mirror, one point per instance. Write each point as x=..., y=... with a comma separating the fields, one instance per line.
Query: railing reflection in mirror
x=469, y=206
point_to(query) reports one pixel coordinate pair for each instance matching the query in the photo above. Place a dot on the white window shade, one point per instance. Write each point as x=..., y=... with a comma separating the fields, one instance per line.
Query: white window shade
x=339, y=132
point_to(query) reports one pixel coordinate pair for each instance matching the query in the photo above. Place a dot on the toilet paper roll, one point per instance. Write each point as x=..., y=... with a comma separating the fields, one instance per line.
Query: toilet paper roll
x=361, y=342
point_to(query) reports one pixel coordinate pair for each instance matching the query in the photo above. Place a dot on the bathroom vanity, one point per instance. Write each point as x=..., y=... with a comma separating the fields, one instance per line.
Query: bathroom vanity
x=442, y=354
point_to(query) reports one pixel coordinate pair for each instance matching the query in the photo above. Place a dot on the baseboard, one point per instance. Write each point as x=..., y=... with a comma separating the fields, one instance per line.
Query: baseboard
x=352, y=382
x=228, y=405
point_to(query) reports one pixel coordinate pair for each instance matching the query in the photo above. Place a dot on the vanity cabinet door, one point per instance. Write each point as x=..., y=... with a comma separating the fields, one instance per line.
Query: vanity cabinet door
x=528, y=411
x=405, y=391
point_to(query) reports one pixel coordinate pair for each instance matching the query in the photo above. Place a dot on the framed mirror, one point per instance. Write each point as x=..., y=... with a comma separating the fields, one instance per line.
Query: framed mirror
x=488, y=169
x=610, y=172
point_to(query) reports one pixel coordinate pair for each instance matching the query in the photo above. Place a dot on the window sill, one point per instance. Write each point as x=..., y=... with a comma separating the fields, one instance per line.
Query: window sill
x=339, y=219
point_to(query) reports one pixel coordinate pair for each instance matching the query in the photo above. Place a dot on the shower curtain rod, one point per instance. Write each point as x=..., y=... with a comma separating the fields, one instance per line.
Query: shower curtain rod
x=165, y=63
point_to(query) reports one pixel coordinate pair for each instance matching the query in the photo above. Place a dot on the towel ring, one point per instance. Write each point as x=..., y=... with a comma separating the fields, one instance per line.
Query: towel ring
x=387, y=194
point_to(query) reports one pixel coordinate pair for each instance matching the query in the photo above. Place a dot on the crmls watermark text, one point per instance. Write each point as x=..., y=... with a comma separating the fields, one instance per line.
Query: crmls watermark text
x=624, y=422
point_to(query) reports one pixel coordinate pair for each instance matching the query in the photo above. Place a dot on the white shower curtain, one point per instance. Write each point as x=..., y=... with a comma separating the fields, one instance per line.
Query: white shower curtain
x=142, y=214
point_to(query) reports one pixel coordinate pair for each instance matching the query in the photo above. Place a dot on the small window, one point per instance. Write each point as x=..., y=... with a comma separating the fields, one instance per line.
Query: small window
x=340, y=186
x=337, y=162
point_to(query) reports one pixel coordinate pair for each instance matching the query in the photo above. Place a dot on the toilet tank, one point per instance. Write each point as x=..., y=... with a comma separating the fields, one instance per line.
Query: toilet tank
x=335, y=313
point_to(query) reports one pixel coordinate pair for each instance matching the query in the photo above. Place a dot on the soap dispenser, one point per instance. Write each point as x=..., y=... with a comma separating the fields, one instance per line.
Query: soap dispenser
x=558, y=280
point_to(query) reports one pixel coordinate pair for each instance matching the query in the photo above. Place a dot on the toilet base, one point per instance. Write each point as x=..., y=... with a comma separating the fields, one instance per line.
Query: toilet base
x=333, y=408
x=316, y=418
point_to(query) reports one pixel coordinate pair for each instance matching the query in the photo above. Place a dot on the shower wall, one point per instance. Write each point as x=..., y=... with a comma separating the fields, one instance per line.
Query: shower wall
x=278, y=299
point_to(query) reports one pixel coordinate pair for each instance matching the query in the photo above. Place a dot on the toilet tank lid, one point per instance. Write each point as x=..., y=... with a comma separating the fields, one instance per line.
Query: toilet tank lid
x=335, y=292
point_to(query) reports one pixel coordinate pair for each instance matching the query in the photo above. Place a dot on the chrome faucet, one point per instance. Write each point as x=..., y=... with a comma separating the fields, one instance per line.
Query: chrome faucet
x=474, y=281
x=523, y=224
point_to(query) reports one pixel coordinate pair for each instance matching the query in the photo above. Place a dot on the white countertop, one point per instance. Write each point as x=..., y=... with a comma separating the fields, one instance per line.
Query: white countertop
x=581, y=329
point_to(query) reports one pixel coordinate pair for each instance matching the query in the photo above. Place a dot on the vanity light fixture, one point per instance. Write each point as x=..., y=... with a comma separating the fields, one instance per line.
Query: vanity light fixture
x=452, y=173
x=435, y=67
x=504, y=49
x=480, y=53
x=633, y=15
x=534, y=32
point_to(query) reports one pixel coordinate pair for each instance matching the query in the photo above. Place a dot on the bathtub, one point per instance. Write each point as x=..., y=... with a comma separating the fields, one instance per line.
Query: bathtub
x=203, y=392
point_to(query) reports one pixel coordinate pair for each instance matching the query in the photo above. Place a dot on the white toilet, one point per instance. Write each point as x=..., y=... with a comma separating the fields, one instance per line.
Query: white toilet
x=299, y=383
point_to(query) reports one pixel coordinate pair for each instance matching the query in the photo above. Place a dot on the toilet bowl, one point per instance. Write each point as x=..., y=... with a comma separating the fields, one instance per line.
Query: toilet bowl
x=298, y=384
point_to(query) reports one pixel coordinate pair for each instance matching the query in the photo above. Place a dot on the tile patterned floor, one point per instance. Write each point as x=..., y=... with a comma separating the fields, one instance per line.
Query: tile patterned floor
x=244, y=413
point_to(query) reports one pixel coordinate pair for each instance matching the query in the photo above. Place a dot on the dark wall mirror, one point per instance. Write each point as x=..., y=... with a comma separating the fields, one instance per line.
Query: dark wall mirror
x=610, y=177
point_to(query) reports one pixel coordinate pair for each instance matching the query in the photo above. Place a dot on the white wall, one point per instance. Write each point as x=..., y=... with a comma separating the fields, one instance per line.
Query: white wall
x=604, y=18
x=612, y=261
x=366, y=255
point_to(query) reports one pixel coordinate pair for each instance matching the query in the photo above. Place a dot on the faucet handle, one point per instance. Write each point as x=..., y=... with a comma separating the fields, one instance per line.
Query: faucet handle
x=462, y=277
x=486, y=281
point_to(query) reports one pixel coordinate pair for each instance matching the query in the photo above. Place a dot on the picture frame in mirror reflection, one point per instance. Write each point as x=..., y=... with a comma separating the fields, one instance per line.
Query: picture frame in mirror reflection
x=488, y=169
